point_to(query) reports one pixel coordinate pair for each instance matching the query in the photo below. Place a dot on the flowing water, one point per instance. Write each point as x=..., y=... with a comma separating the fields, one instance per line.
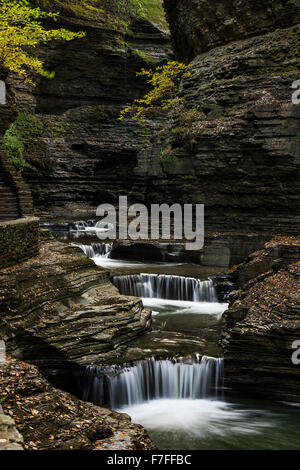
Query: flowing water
x=160, y=286
x=153, y=379
x=180, y=401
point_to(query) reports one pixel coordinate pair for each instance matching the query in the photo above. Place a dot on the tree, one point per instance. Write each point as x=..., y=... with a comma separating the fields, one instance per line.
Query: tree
x=164, y=81
x=21, y=31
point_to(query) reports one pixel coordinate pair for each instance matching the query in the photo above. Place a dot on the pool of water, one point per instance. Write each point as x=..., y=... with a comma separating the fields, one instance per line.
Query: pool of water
x=181, y=329
x=218, y=425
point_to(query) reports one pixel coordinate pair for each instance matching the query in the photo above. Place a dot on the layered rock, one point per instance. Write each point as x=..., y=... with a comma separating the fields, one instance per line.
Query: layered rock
x=233, y=142
x=49, y=419
x=86, y=156
x=263, y=322
x=200, y=25
x=60, y=309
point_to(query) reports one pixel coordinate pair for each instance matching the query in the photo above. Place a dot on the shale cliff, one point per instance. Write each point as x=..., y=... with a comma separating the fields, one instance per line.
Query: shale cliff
x=233, y=142
x=82, y=154
x=263, y=322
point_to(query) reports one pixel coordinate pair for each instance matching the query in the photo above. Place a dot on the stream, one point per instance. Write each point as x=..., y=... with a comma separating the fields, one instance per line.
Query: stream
x=171, y=380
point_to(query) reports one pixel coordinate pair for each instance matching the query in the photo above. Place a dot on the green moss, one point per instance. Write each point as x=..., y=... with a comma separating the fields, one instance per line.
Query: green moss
x=117, y=14
x=18, y=136
x=153, y=11
x=169, y=155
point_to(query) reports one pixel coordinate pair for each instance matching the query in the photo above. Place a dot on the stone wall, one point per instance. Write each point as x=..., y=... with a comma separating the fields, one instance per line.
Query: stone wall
x=19, y=241
x=14, y=179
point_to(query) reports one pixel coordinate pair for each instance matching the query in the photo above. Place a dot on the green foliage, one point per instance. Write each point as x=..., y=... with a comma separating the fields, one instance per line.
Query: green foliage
x=16, y=138
x=164, y=81
x=21, y=31
x=189, y=124
x=169, y=155
x=2, y=399
x=151, y=10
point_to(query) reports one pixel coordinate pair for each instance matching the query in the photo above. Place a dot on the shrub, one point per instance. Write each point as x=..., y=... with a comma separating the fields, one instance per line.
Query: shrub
x=17, y=137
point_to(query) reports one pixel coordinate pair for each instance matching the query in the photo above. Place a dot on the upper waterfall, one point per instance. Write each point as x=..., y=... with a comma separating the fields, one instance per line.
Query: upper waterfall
x=96, y=249
x=161, y=286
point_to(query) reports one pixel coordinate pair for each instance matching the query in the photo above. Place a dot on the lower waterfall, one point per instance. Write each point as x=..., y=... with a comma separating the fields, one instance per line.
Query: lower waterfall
x=96, y=249
x=161, y=286
x=153, y=379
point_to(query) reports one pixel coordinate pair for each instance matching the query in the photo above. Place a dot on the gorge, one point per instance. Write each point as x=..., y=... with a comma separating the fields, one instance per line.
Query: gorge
x=142, y=344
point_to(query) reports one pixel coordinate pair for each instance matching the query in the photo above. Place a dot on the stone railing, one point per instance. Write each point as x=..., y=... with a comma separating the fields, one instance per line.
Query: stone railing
x=19, y=240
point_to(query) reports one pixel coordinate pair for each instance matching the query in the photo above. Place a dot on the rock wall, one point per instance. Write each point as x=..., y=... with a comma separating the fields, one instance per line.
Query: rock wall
x=86, y=156
x=263, y=322
x=59, y=309
x=19, y=241
x=200, y=25
x=233, y=142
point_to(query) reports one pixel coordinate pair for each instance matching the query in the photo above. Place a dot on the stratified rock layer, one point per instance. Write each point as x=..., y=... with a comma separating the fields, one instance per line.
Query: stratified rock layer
x=263, y=322
x=86, y=155
x=200, y=25
x=233, y=143
x=49, y=419
x=61, y=308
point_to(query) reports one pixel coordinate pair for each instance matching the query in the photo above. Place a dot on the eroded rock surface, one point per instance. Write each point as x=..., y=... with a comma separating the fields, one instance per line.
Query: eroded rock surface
x=85, y=154
x=233, y=143
x=201, y=25
x=60, y=307
x=263, y=322
x=49, y=419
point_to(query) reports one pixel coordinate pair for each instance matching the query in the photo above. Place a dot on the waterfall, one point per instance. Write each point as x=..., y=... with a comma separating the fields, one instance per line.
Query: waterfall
x=153, y=379
x=160, y=286
x=96, y=249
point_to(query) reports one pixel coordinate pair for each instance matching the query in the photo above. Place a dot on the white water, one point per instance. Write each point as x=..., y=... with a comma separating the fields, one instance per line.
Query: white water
x=180, y=307
x=161, y=286
x=200, y=419
x=100, y=253
x=95, y=250
x=153, y=379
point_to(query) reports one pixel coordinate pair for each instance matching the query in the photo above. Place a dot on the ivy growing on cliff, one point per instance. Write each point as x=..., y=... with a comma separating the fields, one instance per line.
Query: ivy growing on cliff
x=21, y=31
x=164, y=81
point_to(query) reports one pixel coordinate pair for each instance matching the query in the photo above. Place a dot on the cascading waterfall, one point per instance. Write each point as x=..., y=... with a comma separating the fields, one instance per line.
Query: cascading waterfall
x=96, y=249
x=153, y=379
x=160, y=286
